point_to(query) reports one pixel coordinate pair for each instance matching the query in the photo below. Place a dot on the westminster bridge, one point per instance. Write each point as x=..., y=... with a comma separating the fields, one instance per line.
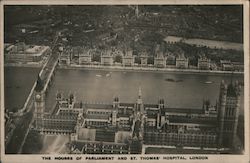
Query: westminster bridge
x=15, y=139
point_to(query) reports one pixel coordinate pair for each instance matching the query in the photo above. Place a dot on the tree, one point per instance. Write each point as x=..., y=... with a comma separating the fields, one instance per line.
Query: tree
x=151, y=60
x=96, y=58
x=137, y=60
x=118, y=58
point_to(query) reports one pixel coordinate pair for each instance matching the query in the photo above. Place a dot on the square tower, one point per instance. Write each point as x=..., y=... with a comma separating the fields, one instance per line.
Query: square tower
x=39, y=99
x=229, y=104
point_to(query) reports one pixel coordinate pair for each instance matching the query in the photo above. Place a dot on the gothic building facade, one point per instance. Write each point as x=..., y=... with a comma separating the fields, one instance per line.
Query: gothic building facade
x=125, y=128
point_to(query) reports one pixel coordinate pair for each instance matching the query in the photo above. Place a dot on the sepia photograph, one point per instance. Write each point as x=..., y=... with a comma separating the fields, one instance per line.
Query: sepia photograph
x=159, y=81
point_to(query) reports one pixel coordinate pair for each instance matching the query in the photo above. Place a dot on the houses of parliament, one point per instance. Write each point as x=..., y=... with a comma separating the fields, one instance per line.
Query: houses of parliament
x=127, y=128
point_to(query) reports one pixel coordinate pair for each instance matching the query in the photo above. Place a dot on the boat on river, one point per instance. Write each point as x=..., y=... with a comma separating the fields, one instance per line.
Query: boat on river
x=208, y=82
x=173, y=80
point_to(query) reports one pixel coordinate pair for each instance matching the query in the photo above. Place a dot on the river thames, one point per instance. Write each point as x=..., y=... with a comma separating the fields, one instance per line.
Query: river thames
x=185, y=90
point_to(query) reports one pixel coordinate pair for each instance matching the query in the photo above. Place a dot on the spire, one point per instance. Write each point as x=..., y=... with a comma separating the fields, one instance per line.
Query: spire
x=139, y=92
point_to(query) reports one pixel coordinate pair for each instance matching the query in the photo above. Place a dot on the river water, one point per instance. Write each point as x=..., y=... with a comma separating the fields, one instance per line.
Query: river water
x=18, y=82
x=102, y=86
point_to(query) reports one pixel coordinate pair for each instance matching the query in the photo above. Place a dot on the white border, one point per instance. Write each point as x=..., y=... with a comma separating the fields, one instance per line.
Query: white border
x=212, y=158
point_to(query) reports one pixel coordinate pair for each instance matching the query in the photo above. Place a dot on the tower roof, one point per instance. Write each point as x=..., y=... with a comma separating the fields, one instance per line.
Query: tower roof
x=139, y=92
x=39, y=84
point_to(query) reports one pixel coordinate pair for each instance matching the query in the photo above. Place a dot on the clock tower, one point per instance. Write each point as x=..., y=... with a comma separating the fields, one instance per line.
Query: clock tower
x=39, y=104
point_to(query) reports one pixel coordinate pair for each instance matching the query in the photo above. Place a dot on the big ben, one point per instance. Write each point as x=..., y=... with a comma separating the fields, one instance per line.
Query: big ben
x=39, y=104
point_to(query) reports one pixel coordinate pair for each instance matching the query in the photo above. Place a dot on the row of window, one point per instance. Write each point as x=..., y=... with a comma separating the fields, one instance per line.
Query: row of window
x=91, y=151
x=174, y=135
x=98, y=112
x=96, y=123
x=230, y=111
x=178, y=142
x=90, y=145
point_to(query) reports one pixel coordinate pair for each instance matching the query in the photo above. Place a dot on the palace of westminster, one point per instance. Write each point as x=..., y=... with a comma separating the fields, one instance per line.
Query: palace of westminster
x=124, y=128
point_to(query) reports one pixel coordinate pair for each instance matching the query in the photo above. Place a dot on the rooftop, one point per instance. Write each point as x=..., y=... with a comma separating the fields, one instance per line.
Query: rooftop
x=151, y=105
x=70, y=116
x=127, y=104
x=21, y=48
x=105, y=135
x=184, y=110
x=123, y=115
x=98, y=106
x=173, y=39
x=187, y=120
x=87, y=134
x=97, y=116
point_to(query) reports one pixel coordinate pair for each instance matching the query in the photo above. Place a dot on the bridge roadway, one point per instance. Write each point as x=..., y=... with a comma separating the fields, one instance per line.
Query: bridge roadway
x=46, y=75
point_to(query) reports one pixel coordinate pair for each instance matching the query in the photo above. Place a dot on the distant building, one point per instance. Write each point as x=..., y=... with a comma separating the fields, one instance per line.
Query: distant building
x=65, y=56
x=144, y=59
x=85, y=57
x=76, y=51
x=173, y=39
x=181, y=61
x=107, y=58
x=128, y=59
x=170, y=59
x=117, y=55
x=203, y=63
x=238, y=66
x=226, y=65
x=23, y=53
x=159, y=59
